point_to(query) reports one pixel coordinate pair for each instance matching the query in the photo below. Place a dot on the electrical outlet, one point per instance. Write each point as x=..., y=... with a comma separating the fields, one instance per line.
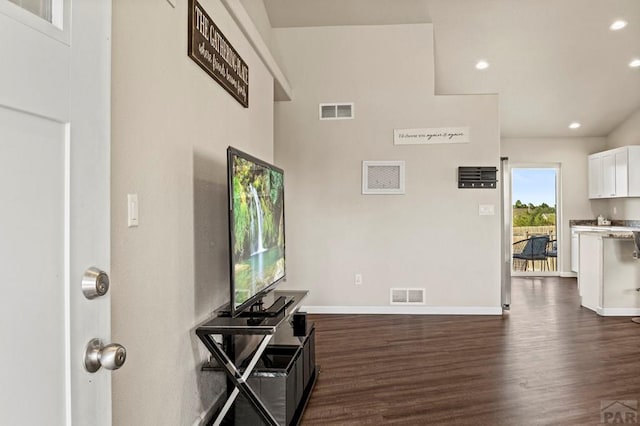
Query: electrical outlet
x=358, y=279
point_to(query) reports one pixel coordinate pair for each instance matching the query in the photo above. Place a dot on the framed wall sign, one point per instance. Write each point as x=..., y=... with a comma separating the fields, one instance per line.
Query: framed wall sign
x=211, y=50
x=431, y=136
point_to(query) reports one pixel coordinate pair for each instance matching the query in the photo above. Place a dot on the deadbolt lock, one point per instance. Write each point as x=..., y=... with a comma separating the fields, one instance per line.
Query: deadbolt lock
x=95, y=283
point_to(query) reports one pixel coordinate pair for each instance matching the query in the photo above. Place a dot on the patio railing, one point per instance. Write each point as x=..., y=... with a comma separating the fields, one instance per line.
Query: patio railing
x=523, y=232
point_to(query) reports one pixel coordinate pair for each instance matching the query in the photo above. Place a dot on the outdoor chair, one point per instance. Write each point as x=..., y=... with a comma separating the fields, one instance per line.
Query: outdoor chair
x=527, y=251
x=552, y=252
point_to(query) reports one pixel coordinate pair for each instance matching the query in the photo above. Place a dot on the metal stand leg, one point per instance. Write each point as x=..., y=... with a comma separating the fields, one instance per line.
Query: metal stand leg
x=238, y=380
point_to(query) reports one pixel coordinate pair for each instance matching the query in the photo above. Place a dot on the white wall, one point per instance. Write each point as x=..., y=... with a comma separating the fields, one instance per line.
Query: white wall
x=171, y=126
x=628, y=133
x=571, y=154
x=258, y=13
x=431, y=237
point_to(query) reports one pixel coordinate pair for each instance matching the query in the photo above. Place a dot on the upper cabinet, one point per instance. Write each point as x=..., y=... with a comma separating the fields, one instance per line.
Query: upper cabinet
x=595, y=176
x=615, y=173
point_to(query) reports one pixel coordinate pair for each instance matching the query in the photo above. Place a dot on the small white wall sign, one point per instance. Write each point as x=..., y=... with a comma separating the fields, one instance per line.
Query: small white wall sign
x=431, y=136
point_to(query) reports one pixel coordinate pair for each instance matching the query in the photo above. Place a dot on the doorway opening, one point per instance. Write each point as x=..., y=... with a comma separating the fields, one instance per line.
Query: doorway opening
x=535, y=219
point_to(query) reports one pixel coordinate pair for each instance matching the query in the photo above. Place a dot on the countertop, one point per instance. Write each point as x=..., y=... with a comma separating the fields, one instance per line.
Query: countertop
x=609, y=229
x=622, y=227
x=614, y=223
x=620, y=232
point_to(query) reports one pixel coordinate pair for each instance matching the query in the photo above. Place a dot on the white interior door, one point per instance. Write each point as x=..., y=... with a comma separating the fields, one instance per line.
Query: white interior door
x=54, y=217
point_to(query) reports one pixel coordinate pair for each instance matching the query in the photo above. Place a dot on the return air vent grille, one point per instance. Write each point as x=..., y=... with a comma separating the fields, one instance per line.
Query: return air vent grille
x=383, y=177
x=407, y=296
x=342, y=111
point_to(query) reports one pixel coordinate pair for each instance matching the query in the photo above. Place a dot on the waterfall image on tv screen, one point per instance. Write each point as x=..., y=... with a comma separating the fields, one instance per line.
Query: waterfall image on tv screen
x=257, y=227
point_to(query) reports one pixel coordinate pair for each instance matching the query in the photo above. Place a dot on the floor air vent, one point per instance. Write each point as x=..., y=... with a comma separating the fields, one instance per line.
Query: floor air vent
x=336, y=111
x=407, y=296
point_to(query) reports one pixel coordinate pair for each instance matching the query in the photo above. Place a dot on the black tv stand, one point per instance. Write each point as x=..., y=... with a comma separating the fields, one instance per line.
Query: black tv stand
x=257, y=310
x=278, y=394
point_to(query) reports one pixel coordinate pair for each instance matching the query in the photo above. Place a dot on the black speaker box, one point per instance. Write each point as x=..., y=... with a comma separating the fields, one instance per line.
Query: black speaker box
x=300, y=324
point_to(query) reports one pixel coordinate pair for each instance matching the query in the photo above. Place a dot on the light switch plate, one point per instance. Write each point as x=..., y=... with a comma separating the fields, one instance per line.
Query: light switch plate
x=132, y=210
x=486, y=210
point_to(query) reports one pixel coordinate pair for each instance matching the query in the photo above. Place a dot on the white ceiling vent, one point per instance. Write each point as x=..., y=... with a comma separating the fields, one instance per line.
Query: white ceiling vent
x=383, y=177
x=407, y=296
x=336, y=111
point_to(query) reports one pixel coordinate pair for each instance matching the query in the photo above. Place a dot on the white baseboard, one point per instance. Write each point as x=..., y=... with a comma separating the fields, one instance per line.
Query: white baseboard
x=206, y=415
x=535, y=274
x=544, y=274
x=619, y=312
x=405, y=310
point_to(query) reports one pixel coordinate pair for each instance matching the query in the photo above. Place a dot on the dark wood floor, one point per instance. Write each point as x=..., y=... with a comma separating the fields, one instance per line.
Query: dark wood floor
x=548, y=362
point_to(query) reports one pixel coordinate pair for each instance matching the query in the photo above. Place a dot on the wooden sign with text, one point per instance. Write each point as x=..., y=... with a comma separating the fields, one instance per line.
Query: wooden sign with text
x=431, y=136
x=211, y=50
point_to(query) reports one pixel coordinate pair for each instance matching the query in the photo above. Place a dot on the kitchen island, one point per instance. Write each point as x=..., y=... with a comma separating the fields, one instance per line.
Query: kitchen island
x=608, y=273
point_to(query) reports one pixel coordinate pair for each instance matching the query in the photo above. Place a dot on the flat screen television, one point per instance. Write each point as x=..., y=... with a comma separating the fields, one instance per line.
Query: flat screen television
x=256, y=228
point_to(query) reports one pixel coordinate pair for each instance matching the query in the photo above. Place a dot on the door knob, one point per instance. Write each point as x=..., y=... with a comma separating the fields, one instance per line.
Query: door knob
x=95, y=283
x=111, y=356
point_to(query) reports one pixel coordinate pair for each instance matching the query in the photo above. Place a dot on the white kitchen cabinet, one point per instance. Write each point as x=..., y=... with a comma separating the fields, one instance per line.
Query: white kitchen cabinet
x=615, y=173
x=595, y=176
x=609, y=175
x=575, y=250
x=607, y=277
x=621, y=173
x=590, y=273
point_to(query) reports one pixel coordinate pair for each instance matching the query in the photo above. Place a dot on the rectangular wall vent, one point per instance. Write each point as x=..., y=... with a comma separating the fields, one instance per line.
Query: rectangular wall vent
x=407, y=296
x=343, y=111
x=383, y=177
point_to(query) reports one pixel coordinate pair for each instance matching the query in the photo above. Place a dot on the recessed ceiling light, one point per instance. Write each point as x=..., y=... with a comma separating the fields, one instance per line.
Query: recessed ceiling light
x=618, y=25
x=482, y=65
x=574, y=125
x=635, y=63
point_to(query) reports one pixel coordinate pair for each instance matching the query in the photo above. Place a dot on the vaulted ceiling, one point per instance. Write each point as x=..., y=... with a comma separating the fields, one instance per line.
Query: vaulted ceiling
x=552, y=62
